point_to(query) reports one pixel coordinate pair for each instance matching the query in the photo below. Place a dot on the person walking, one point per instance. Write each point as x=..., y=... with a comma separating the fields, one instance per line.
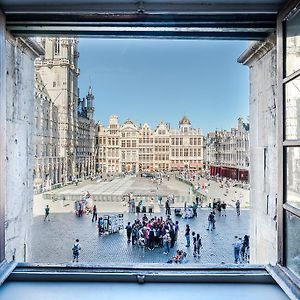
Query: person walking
x=214, y=205
x=135, y=234
x=100, y=225
x=223, y=207
x=219, y=207
x=94, y=214
x=187, y=236
x=194, y=242
x=128, y=231
x=237, y=249
x=172, y=236
x=211, y=221
x=238, y=207
x=197, y=245
x=245, y=249
x=80, y=209
x=167, y=206
x=195, y=207
x=47, y=212
x=76, y=250
x=133, y=206
x=176, y=230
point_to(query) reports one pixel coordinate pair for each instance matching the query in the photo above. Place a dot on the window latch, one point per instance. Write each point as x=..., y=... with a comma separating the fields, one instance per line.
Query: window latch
x=140, y=278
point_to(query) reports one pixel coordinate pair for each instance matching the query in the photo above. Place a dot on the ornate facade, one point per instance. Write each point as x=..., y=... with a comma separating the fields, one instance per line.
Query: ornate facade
x=65, y=127
x=48, y=162
x=132, y=148
x=227, y=152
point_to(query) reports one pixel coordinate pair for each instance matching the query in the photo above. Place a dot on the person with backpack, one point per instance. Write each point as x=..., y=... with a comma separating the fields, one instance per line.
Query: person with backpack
x=128, y=231
x=47, y=212
x=76, y=250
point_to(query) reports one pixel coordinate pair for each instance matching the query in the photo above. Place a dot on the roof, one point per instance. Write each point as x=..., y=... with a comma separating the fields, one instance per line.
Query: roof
x=128, y=122
x=185, y=121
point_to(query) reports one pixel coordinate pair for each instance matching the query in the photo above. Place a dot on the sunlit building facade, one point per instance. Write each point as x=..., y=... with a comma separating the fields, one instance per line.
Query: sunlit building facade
x=132, y=148
x=227, y=152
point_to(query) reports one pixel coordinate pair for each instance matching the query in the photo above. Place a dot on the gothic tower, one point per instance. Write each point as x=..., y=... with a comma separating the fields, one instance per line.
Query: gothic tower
x=59, y=71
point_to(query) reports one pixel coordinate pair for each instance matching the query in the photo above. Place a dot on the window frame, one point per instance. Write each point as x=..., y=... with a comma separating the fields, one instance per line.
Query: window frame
x=281, y=159
x=282, y=206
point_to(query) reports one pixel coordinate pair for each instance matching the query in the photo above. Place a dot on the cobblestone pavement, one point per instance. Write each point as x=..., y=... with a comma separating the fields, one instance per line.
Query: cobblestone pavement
x=52, y=241
x=120, y=186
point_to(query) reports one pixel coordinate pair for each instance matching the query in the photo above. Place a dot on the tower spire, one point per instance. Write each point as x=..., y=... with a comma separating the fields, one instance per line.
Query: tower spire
x=90, y=92
x=90, y=103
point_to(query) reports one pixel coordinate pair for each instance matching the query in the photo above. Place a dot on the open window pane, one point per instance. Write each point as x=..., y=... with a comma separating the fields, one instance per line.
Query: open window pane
x=292, y=243
x=293, y=44
x=293, y=176
x=100, y=164
x=292, y=109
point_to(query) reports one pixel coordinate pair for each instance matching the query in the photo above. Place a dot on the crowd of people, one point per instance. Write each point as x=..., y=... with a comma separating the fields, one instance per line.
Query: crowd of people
x=154, y=232
x=161, y=232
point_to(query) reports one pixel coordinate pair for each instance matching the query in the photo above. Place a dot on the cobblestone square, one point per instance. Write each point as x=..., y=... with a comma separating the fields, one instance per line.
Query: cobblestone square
x=52, y=241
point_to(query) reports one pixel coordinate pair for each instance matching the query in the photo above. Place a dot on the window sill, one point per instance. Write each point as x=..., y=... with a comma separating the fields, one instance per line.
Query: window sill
x=143, y=273
x=288, y=282
x=6, y=268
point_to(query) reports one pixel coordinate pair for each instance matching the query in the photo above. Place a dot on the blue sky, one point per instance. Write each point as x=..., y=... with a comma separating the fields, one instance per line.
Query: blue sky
x=153, y=80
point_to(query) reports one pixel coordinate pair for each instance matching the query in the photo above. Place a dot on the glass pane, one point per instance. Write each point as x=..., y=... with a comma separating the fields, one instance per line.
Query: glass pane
x=293, y=44
x=292, y=109
x=293, y=176
x=292, y=246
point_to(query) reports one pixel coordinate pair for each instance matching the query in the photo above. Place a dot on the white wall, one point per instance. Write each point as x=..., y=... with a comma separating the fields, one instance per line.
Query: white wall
x=19, y=151
x=263, y=175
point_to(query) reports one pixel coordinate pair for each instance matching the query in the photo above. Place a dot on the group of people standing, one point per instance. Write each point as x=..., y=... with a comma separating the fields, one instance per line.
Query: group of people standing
x=219, y=207
x=241, y=249
x=154, y=232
